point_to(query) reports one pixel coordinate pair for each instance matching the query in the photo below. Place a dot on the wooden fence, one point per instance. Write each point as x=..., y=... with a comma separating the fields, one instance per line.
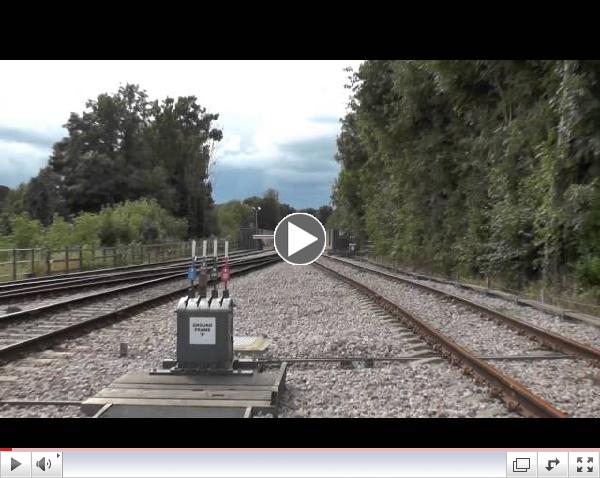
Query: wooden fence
x=18, y=264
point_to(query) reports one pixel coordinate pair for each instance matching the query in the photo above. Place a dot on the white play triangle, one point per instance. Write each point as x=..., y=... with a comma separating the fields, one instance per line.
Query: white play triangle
x=298, y=238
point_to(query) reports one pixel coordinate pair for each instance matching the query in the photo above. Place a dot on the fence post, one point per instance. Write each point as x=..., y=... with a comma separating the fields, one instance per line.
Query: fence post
x=48, y=262
x=67, y=259
x=115, y=256
x=542, y=292
x=14, y=254
x=93, y=257
x=32, y=262
x=80, y=258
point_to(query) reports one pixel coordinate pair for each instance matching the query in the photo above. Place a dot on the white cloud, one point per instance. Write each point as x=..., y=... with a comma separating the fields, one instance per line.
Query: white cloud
x=20, y=161
x=262, y=104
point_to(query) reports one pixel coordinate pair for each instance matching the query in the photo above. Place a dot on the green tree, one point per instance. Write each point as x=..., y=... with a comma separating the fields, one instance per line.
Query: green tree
x=231, y=216
x=44, y=197
x=4, y=190
x=475, y=166
x=125, y=146
x=27, y=232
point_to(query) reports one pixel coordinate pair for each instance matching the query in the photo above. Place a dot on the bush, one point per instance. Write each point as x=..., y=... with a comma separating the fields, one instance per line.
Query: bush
x=86, y=229
x=139, y=221
x=132, y=222
x=27, y=232
x=588, y=271
x=59, y=234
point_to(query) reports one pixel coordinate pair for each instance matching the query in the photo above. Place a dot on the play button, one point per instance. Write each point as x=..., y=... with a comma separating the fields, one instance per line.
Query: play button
x=14, y=464
x=299, y=239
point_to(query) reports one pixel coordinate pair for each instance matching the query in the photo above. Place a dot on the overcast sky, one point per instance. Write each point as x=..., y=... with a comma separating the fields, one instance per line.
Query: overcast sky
x=279, y=118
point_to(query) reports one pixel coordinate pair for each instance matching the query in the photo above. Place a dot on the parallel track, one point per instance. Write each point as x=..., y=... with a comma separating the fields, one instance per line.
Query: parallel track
x=550, y=339
x=517, y=396
x=61, y=320
x=43, y=286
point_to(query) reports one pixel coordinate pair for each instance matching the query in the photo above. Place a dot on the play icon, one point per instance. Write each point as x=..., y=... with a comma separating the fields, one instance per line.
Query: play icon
x=15, y=464
x=299, y=239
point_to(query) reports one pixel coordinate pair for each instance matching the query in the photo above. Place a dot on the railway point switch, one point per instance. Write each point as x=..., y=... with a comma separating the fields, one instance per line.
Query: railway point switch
x=205, y=333
x=211, y=376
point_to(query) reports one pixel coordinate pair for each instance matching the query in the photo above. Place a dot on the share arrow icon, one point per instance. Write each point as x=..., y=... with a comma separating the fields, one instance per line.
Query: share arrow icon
x=550, y=467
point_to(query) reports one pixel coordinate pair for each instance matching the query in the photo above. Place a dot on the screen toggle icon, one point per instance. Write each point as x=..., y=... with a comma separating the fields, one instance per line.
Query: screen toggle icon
x=521, y=465
x=580, y=466
x=43, y=464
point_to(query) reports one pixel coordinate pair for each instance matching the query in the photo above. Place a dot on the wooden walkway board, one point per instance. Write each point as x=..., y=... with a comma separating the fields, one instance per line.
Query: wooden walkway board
x=139, y=394
x=158, y=411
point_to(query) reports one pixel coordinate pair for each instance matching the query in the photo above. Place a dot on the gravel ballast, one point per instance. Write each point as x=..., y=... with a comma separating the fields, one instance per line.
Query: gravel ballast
x=558, y=381
x=577, y=330
x=305, y=313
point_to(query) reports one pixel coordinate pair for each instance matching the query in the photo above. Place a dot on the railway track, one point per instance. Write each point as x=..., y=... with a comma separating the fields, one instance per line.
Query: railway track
x=350, y=355
x=546, y=337
x=43, y=326
x=41, y=287
x=448, y=338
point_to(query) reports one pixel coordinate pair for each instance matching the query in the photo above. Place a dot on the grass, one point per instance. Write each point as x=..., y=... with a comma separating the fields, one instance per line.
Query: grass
x=586, y=302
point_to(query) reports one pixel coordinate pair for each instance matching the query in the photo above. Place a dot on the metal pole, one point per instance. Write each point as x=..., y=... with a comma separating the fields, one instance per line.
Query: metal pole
x=14, y=254
x=256, y=226
x=32, y=262
x=48, y=261
x=67, y=259
x=80, y=258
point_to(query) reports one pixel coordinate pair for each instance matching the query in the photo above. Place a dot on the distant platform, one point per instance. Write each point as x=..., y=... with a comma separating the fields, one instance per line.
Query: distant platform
x=268, y=240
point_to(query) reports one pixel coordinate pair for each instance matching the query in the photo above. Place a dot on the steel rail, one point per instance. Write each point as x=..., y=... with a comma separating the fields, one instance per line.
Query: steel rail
x=99, y=280
x=517, y=397
x=65, y=303
x=546, y=337
x=83, y=284
x=406, y=358
x=11, y=351
x=73, y=277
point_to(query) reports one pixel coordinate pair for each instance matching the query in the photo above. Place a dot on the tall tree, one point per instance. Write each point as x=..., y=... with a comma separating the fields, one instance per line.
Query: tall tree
x=476, y=166
x=44, y=196
x=125, y=146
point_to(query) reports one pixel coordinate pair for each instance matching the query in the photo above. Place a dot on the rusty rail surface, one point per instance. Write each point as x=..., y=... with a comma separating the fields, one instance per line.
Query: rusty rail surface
x=546, y=337
x=515, y=395
x=15, y=350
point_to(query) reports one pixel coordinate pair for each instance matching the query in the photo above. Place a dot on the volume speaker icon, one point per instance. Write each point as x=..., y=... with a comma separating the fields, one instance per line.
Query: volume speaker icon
x=43, y=463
